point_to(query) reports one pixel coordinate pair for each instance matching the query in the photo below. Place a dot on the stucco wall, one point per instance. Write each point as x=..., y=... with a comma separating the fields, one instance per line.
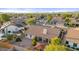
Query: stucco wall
x=77, y=45
x=71, y=44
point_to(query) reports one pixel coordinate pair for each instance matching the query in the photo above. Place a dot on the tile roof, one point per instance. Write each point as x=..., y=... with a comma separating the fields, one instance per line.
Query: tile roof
x=73, y=35
x=38, y=31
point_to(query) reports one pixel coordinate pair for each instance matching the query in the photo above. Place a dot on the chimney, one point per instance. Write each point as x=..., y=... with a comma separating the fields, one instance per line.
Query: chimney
x=45, y=31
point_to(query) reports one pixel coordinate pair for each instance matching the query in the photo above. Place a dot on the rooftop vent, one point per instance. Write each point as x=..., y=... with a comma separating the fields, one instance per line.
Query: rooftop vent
x=45, y=31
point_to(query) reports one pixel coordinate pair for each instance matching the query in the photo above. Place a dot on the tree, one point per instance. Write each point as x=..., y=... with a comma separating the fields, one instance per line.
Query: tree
x=69, y=23
x=56, y=41
x=49, y=17
x=52, y=47
x=4, y=17
x=10, y=37
x=55, y=45
x=34, y=41
x=30, y=21
x=67, y=15
x=67, y=20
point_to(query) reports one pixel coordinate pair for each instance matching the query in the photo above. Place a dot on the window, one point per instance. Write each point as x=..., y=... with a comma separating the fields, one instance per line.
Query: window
x=9, y=31
x=67, y=42
x=3, y=31
x=40, y=39
x=68, y=45
x=49, y=41
x=74, y=45
x=26, y=34
x=46, y=40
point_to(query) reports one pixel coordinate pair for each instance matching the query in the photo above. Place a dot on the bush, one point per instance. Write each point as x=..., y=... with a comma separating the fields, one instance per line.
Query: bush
x=77, y=48
x=4, y=17
x=9, y=37
x=18, y=40
x=34, y=41
x=55, y=45
x=56, y=41
x=52, y=47
x=30, y=21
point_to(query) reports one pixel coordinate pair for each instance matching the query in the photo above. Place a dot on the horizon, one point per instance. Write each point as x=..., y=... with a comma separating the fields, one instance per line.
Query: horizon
x=37, y=10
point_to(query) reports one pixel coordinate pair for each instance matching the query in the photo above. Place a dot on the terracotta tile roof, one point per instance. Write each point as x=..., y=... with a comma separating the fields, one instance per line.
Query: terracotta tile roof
x=73, y=35
x=58, y=18
x=38, y=31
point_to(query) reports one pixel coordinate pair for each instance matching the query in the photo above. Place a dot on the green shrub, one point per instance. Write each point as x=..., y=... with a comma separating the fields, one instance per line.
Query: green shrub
x=34, y=41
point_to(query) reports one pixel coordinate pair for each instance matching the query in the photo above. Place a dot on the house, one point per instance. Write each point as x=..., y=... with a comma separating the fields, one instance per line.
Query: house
x=2, y=37
x=72, y=38
x=10, y=28
x=42, y=33
x=59, y=21
x=75, y=22
x=41, y=22
x=19, y=21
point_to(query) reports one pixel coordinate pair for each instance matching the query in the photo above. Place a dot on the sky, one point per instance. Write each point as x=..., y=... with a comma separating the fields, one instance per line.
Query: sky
x=27, y=10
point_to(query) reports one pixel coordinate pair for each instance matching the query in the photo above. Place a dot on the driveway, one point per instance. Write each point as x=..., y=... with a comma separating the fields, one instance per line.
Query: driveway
x=25, y=43
x=3, y=49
